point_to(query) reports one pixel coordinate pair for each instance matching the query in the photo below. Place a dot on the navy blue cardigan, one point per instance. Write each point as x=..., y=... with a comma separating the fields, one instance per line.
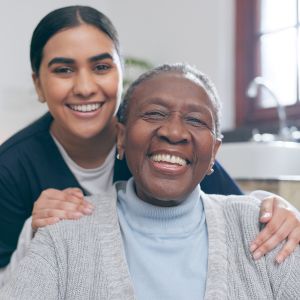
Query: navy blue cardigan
x=30, y=163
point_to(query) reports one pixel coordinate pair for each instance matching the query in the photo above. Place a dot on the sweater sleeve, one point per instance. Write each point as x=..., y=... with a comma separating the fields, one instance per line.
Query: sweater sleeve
x=36, y=277
x=22, y=248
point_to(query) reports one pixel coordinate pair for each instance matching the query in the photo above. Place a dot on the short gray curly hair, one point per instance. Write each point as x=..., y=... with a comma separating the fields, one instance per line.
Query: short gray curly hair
x=180, y=68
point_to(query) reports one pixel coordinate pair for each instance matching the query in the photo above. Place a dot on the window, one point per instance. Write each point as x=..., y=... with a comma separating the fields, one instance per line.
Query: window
x=267, y=45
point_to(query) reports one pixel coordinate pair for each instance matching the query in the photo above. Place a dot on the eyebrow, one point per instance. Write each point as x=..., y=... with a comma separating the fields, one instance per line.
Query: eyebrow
x=100, y=57
x=70, y=61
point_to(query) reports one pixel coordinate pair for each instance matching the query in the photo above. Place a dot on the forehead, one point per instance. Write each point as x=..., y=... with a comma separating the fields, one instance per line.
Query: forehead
x=82, y=39
x=174, y=88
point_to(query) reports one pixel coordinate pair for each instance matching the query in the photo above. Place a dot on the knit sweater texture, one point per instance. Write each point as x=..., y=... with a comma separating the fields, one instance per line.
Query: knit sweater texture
x=84, y=259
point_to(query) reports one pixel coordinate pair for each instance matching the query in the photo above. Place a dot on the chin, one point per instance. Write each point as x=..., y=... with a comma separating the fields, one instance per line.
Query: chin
x=168, y=196
x=86, y=134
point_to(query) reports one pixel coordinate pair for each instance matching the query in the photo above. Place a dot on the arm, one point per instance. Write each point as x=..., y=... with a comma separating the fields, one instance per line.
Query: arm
x=13, y=211
x=36, y=276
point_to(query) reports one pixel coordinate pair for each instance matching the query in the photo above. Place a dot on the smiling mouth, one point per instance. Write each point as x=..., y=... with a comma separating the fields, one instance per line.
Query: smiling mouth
x=85, y=108
x=170, y=159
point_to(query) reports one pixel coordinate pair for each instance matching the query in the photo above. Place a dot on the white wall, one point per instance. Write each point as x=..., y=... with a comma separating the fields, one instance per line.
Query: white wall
x=196, y=31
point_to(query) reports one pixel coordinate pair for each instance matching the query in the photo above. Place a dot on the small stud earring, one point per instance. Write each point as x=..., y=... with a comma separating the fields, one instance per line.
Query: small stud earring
x=211, y=170
x=120, y=156
x=41, y=100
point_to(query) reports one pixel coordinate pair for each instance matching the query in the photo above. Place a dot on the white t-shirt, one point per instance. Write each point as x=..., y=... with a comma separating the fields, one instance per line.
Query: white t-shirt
x=94, y=181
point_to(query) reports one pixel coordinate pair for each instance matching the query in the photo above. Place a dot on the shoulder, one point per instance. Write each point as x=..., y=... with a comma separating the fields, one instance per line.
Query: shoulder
x=26, y=135
x=240, y=213
x=26, y=148
x=103, y=217
x=239, y=203
x=238, y=222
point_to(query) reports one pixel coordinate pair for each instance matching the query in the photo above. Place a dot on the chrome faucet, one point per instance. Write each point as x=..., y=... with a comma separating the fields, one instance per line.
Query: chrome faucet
x=284, y=132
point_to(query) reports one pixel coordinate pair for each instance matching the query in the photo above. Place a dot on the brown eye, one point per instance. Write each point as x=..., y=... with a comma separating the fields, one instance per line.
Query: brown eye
x=102, y=68
x=63, y=70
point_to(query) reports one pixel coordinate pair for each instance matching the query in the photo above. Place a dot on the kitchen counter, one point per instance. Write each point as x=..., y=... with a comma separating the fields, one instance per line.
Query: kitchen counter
x=287, y=187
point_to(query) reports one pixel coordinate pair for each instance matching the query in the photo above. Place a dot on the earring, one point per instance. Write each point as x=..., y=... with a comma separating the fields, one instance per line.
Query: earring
x=211, y=170
x=120, y=156
x=41, y=100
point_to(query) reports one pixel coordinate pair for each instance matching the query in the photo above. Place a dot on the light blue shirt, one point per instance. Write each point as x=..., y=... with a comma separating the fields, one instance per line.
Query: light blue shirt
x=166, y=247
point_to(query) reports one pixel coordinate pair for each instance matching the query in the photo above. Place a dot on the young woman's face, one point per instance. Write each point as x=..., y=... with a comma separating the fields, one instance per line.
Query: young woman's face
x=168, y=140
x=81, y=80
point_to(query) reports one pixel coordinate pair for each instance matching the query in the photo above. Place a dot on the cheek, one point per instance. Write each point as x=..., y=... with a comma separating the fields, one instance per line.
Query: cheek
x=136, y=143
x=203, y=153
x=55, y=90
x=111, y=85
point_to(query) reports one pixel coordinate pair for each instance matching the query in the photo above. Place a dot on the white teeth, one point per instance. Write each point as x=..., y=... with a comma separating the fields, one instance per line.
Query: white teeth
x=85, y=107
x=169, y=158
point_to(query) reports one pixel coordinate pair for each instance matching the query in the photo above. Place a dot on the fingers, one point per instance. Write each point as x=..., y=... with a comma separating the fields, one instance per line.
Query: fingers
x=54, y=205
x=278, y=236
x=67, y=205
x=61, y=214
x=266, y=209
x=270, y=229
x=290, y=245
x=50, y=216
x=268, y=206
x=283, y=224
x=72, y=195
x=69, y=199
x=44, y=222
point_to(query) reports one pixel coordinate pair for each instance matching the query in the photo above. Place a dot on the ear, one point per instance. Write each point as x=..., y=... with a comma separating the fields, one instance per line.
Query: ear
x=38, y=88
x=120, y=139
x=217, y=145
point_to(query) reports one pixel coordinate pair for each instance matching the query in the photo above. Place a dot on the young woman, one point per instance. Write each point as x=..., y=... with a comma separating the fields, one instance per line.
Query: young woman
x=46, y=167
x=160, y=237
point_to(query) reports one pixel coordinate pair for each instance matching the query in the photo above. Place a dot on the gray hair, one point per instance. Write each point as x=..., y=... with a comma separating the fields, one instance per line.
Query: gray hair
x=181, y=68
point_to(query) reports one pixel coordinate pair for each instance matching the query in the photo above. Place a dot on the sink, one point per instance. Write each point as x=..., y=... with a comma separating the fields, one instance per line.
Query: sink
x=269, y=160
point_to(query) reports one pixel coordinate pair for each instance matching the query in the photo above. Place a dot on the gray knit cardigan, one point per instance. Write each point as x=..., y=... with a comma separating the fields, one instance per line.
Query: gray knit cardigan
x=84, y=259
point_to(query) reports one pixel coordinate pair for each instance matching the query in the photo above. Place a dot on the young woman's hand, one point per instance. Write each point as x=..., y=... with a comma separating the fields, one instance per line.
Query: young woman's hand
x=54, y=205
x=282, y=222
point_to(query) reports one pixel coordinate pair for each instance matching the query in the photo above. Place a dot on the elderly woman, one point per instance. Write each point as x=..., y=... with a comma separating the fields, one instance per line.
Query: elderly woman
x=162, y=237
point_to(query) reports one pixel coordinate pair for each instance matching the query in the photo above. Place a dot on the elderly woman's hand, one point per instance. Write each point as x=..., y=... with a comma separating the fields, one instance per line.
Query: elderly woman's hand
x=283, y=222
x=54, y=205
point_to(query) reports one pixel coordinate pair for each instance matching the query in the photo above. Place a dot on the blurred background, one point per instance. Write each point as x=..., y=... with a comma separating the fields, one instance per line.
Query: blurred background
x=249, y=48
x=198, y=32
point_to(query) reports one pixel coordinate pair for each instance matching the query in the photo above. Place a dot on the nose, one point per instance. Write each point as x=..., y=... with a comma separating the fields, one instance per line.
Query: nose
x=84, y=85
x=174, y=131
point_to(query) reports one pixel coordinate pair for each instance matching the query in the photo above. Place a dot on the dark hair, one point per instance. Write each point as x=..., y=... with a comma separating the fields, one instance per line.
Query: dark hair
x=185, y=69
x=64, y=18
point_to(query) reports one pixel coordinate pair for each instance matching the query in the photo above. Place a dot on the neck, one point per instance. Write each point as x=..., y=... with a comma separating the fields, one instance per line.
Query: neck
x=90, y=152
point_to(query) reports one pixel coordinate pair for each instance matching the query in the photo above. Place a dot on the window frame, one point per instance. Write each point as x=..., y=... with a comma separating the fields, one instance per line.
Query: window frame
x=248, y=111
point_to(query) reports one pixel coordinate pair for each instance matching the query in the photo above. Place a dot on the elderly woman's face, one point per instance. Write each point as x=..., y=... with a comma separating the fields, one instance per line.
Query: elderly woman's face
x=169, y=141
